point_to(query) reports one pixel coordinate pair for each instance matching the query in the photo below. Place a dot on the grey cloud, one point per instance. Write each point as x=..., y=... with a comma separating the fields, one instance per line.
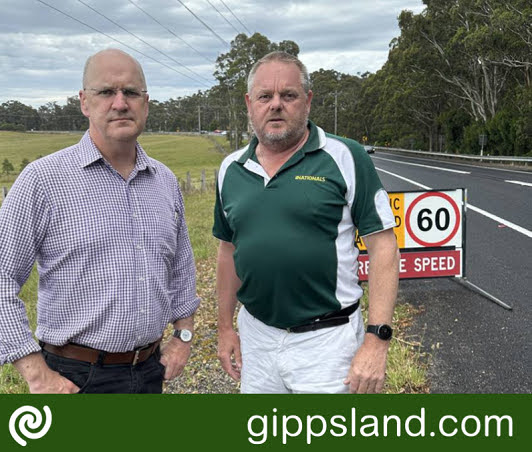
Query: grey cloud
x=42, y=52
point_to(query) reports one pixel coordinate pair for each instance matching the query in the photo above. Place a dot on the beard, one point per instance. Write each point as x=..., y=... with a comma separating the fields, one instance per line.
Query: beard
x=283, y=139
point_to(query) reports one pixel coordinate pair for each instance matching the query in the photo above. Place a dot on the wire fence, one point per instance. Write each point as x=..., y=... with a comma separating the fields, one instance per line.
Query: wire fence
x=188, y=184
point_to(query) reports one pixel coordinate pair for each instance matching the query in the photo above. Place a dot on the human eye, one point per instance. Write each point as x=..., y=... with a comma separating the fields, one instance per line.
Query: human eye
x=131, y=93
x=106, y=92
x=289, y=96
x=264, y=97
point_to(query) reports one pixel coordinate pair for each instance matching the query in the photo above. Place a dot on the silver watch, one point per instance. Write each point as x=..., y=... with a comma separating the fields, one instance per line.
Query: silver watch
x=184, y=335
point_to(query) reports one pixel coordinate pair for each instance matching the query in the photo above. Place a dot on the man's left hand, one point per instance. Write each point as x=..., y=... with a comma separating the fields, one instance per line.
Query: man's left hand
x=174, y=356
x=368, y=367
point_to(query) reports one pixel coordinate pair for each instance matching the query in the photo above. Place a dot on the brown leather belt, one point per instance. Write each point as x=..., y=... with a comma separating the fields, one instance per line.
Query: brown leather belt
x=91, y=355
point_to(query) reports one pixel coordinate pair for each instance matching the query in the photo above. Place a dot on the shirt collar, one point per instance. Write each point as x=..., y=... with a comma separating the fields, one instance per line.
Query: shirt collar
x=315, y=141
x=89, y=153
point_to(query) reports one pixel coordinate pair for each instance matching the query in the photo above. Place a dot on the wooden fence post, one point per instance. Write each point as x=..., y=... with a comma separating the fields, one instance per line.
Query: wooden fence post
x=203, y=181
x=189, y=182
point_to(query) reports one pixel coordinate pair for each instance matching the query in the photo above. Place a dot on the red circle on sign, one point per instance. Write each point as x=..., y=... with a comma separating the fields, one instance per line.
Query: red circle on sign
x=426, y=195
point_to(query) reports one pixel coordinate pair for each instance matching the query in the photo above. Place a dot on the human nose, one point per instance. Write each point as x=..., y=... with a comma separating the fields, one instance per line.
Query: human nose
x=276, y=102
x=119, y=101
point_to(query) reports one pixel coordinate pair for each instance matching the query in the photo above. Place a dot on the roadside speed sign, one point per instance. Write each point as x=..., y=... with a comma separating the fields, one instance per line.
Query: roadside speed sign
x=433, y=219
x=430, y=234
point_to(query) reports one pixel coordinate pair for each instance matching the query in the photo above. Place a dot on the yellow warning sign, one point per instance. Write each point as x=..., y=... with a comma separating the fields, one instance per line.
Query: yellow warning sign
x=397, y=203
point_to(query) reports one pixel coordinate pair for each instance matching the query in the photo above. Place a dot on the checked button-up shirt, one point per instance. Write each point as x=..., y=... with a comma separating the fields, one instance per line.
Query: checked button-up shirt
x=114, y=258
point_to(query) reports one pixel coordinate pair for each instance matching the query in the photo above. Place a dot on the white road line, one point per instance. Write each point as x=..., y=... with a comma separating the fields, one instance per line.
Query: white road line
x=425, y=166
x=491, y=216
x=461, y=164
x=507, y=223
x=518, y=182
x=404, y=178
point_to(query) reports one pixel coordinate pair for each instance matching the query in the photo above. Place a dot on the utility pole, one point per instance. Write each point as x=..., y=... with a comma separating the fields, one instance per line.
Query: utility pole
x=199, y=119
x=335, y=112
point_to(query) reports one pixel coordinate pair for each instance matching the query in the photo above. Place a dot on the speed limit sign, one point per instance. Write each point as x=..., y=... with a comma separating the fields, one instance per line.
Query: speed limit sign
x=429, y=232
x=433, y=219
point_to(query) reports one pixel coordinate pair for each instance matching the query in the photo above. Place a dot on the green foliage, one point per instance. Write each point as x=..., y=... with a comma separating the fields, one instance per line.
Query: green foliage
x=471, y=138
x=12, y=127
x=25, y=162
x=7, y=167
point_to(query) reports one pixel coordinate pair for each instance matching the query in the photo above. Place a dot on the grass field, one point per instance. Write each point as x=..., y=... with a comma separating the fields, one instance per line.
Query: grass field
x=406, y=369
x=181, y=153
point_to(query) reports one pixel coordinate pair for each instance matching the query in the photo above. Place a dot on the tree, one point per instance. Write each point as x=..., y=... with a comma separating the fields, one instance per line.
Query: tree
x=7, y=167
x=15, y=112
x=24, y=163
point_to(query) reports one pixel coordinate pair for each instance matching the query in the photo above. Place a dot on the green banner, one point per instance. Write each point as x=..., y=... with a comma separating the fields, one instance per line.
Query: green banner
x=254, y=422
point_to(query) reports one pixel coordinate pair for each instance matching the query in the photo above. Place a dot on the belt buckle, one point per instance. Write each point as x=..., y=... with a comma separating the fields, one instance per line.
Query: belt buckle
x=136, y=358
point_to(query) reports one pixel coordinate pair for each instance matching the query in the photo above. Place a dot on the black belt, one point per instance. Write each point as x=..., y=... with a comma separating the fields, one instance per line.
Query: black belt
x=327, y=320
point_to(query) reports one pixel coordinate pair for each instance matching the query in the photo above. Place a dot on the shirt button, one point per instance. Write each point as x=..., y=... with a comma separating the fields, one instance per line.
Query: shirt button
x=139, y=246
x=141, y=278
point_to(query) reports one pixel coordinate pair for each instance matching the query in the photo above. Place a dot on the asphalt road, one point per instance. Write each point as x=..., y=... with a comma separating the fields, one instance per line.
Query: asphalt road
x=476, y=345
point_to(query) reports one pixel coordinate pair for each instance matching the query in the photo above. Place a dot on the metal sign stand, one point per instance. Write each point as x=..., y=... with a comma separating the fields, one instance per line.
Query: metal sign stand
x=463, y=279
x=466, y=283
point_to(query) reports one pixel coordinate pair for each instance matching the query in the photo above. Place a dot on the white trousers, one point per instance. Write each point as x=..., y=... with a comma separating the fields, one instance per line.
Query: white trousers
x=275, y=361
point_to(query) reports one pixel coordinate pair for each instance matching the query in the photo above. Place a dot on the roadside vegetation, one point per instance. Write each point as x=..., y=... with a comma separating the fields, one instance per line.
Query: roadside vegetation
x=407, y=364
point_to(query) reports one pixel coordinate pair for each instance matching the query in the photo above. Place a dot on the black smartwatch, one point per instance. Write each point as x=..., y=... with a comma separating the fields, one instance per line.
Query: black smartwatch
x=383, y=331
x=184, y=335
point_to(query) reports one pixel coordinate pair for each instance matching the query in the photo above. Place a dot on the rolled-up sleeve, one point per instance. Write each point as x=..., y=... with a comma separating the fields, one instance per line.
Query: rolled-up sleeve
x=24, y=218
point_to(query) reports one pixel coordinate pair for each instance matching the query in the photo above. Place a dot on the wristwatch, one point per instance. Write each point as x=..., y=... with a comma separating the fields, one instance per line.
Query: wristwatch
x=382, y=331
x=184, y=335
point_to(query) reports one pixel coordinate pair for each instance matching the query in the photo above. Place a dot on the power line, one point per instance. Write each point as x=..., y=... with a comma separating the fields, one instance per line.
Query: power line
x=218, y=11
x=142, y=40
x=170, y=31
x=223, y=3
x=205, y=25
x=120, y=42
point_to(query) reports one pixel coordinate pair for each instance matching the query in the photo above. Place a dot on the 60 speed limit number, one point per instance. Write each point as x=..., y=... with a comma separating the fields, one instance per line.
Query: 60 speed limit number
x=433, y=219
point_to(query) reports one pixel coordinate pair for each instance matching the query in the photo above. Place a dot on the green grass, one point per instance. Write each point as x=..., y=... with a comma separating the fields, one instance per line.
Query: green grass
x=181, y=153
x=406, y=368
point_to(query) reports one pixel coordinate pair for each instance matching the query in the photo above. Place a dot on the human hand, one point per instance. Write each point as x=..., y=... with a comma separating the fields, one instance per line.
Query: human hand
x=229, y=348
x=52, y=382
x=368, y=367
x=40, y=378
x=174, y=357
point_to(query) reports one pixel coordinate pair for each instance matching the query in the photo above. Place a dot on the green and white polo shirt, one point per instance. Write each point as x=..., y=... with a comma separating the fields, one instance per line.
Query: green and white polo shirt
x=294, y=233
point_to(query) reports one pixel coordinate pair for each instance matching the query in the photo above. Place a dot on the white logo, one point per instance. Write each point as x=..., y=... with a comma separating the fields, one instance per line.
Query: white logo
x=32, y=418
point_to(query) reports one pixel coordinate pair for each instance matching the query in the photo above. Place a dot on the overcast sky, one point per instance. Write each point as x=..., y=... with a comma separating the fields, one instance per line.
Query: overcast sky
x=43, y=51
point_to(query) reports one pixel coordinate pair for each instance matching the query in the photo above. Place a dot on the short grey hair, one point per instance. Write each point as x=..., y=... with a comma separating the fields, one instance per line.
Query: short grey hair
x=281, y=57
x=89, y=62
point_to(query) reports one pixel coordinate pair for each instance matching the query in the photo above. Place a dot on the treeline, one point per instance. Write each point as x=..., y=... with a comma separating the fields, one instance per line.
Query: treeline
x=458, y=70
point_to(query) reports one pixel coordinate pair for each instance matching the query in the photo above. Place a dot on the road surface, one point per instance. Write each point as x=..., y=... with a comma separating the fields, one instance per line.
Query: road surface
x=476, y=345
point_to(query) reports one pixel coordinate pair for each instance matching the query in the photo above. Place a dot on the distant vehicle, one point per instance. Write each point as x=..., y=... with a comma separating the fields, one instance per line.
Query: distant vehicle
x=369, y=149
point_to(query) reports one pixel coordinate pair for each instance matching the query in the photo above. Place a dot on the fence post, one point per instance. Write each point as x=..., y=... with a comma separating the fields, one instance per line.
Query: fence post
x=203, y=181
x=4, y=193
x=189, y=182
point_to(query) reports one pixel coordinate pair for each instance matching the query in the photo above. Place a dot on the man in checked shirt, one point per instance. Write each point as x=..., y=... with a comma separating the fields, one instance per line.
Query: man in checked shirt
x=106, y=225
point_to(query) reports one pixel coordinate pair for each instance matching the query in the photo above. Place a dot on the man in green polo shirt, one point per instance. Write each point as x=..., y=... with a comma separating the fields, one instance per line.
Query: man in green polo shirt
x=287, y=209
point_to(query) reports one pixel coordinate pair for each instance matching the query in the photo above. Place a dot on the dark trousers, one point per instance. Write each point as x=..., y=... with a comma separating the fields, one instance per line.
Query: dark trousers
x=143, y=378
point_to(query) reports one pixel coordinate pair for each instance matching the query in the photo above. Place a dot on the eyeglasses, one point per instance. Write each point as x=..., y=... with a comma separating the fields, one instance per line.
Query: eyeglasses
x=108, y=93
